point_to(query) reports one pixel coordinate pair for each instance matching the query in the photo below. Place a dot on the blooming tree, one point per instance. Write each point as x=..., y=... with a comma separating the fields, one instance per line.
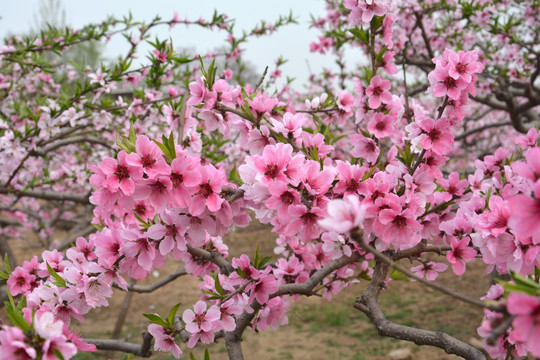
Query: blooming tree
x=396, y=159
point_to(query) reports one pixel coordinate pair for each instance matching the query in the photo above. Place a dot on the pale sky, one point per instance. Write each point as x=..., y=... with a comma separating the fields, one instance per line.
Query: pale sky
x=17, y=16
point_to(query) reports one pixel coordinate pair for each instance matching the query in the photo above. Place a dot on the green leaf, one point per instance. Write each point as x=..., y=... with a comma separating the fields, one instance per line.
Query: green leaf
x=172, y=314
x=58, y=354
x=257, y=258
x=361, y=35
x=516, y=288
x=156, y=319
x=206, y=354
x=163, y=148
x=16, y=316
x=525, y=281
x=264, y=260
x=3, y=275
x=369, y=173
x=217, y=283
x=191, y=356
x=59, y=280
x=397, y=275
x=22, y=304
x=242, y=274
x=7, y=266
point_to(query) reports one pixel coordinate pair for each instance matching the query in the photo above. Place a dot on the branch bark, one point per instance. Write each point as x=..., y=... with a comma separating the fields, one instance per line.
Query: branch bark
x=154, y=286
x=49, y=195
x=142, y=350
x=369, y=306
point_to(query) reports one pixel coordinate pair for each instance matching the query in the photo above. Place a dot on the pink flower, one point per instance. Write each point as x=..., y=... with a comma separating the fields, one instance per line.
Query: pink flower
x=20, y=281
x=381, y=125
x=156, y=190
x=262, y=103
x=228, y=309
x=387, y=62
x=184, y=178
x=453, y=186
x=208, y=190
x=163, y=340
x=364, y=148
x=108, y=245
x=201, y=323
x=350, y=178
x=265, y=286
x=436, y=135
x=378, y=92
x=495, y=221
x=15, y=345
x=170, y=233
x=197, y=91
x=430, y=270
x=46, y=326
x=526, y=324
x=290, y=124
x=525, y=210
x=343, y=215
x=399, y=227
x=362, y=11
x=304, y=222
x=442, y=84
x=149, y=157
x=161, y=56
x=463, y=64
x=345, y=101
x=281, y=197
x=140, y=249
x=525, y=215
x=460, y=253
x=274, y=161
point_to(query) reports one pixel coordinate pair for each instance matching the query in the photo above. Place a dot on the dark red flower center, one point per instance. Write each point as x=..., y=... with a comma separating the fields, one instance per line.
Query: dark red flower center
x=272, y=171
x=158, y=187
x=205, y=190
x=177, y=179
x=400, y=221
x=148, y=161
x=461, y=68
x=287, y=198
x=450, y=82
x=121, y=172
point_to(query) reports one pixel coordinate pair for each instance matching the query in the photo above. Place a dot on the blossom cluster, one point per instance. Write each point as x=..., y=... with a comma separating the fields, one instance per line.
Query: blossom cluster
x=332, y=175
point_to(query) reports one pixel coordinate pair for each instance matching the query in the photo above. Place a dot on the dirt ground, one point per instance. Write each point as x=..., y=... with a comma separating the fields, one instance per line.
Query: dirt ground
x=317, y=329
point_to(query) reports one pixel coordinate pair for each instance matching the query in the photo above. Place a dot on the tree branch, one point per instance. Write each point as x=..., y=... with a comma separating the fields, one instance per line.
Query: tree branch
x=386, y=260
x=481, y=128
x=142, y=350
x=154, y=286
x=49, y=195
x=65, y=142
x=369, y=306
x=215, y=257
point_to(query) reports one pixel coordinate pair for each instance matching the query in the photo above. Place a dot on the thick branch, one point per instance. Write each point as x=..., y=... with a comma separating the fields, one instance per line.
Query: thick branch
x=142, y=350
x=368, y=305
x=49, y=195
x=419, y=249
x=233, y=343
x=306, y=288
x=215, y=257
